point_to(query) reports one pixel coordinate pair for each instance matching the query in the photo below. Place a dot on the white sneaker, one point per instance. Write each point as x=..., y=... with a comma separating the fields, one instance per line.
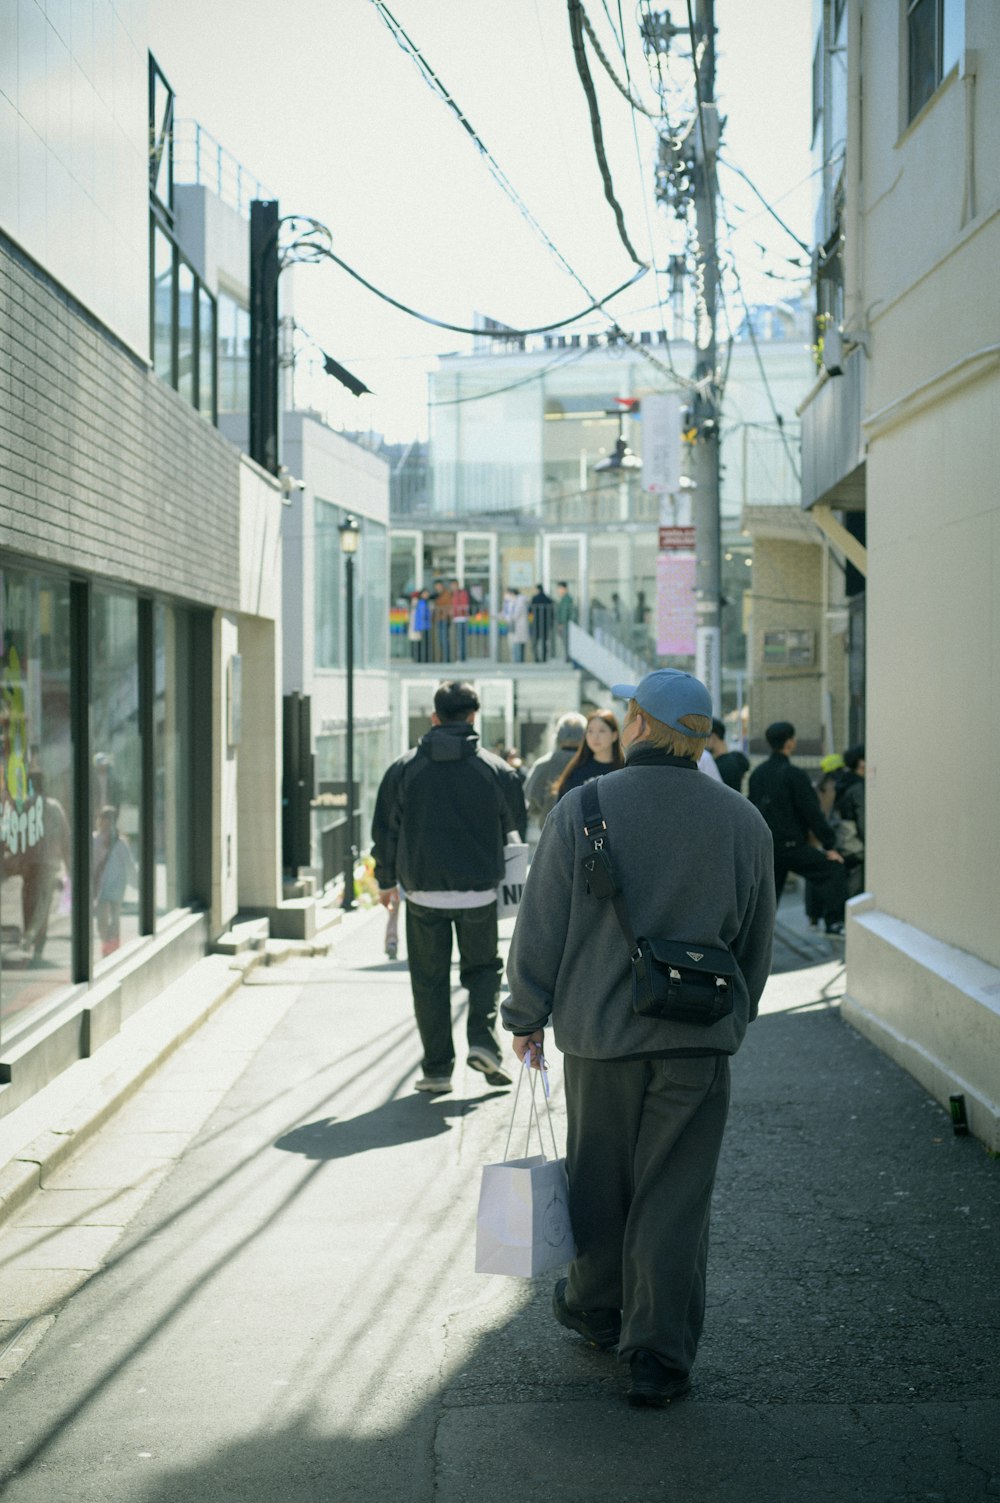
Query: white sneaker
x=489, y=1065
x=433, y=1083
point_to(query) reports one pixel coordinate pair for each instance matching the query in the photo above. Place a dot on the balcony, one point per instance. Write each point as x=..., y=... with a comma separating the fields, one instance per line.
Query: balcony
x=833, y=450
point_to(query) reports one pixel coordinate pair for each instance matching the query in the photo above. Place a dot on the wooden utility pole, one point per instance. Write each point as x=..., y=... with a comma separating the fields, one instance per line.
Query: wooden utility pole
x=704, y=466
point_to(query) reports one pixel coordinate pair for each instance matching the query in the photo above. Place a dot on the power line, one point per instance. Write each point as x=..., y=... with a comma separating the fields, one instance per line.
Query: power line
x=624, y=89
x=770, y=209
x=756, y=349
x=583, y=69
x=505, y=333
x=434, y=82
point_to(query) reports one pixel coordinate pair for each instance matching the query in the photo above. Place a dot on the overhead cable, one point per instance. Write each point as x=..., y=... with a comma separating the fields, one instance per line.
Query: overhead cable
x=602, y=57
x=439, y=323
x=770, y=209
x=583, y=68
x=779, y=420
x=432, y=79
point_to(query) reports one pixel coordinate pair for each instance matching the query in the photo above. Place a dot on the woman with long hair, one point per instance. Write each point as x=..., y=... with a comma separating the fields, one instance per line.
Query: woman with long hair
x=600, y=752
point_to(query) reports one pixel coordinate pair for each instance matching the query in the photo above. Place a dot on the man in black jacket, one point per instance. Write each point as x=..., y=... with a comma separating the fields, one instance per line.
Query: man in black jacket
x=443, y=812
x=788, y=802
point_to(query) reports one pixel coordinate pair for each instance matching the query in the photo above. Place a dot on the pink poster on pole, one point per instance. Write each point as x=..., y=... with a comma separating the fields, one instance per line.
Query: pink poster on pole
x=675, y=613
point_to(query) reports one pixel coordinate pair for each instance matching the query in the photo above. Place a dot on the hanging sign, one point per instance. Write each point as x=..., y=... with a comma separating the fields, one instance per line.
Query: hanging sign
x=661, y=443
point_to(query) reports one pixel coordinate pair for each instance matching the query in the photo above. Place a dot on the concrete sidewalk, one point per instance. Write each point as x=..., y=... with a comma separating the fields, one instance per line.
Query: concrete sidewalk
x=292, y=1314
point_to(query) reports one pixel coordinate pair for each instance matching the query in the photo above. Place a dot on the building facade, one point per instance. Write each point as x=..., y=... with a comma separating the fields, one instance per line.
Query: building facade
x=900, y=450
x=139, y=563
x=525, y=491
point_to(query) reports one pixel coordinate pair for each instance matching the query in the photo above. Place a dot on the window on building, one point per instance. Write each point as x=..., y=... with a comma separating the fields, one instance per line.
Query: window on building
x=935, y=38
x=375, y=593
x=164, y=275
x=206, y=354
x=182, y=322
x=116, y=770
x=234, y=355
x=161, y=140
x=371, y=592
x=172, y=757
x=36, y=794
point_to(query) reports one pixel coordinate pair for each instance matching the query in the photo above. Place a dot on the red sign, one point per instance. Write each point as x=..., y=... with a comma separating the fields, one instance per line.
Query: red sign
x=677, y=538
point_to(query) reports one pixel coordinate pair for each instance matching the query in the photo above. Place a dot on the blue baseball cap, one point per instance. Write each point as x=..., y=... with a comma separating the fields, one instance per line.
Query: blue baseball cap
x=667, y=694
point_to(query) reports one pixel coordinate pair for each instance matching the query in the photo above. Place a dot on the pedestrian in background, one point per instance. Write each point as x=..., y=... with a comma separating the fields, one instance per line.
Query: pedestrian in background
x=733, y=765
x=565, y=613
x=646, y=1098
x=850, y=809
x=441, y=616
x=442, y=817
x=460, y=609
x=542, y=622
x=787, y=800
x=826, y=791
x=515, y=610
x=600, y=752
x=570, y=731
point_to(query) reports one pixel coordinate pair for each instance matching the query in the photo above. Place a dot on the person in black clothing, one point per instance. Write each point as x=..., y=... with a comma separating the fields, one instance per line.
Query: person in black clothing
x=542, y=621
x=733, y=765
x=443, y=812
x=788, y=802
x=850, y=806
x=600, y=752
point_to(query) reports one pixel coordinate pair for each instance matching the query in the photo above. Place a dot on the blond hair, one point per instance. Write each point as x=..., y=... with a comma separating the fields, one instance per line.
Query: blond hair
x=666, y=737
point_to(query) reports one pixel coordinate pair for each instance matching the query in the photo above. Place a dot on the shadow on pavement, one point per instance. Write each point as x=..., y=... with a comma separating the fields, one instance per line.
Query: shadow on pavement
x=851, y=1347
x=406, y=1119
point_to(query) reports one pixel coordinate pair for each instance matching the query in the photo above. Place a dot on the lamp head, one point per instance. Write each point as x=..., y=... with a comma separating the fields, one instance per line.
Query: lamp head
x=350, y=534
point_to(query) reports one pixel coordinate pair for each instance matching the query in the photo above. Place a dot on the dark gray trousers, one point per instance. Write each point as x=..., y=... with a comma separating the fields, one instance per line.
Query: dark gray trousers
x=643, y=1143
x=428, y=949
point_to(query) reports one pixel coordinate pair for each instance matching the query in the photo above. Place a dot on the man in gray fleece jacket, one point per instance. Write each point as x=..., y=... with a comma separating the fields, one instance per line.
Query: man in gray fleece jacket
x=646, y=1099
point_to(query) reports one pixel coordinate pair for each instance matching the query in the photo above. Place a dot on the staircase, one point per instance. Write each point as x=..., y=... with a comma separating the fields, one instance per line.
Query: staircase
x=607, y=660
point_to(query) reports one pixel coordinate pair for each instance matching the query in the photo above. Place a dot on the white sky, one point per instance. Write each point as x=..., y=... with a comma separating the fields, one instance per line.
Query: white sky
x=317, y=100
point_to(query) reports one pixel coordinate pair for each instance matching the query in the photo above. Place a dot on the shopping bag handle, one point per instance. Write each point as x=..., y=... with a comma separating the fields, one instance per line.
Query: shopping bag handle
x=533, y=1115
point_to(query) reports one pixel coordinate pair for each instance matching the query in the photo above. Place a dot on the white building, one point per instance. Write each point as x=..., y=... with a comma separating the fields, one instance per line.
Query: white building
x=900, y=443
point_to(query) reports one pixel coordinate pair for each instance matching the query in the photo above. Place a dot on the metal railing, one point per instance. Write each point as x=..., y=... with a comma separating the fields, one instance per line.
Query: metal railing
x=201, y=160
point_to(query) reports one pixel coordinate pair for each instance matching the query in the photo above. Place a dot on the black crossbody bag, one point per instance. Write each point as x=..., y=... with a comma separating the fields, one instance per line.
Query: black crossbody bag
x=672, y=980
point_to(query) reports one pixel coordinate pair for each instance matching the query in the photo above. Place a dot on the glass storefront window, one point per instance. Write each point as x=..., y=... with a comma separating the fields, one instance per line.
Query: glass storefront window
x=172, y=757
x=36, y=793
x=116, y=766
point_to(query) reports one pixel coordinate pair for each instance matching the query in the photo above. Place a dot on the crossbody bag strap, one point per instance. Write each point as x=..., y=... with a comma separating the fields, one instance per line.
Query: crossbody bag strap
x=595, y=830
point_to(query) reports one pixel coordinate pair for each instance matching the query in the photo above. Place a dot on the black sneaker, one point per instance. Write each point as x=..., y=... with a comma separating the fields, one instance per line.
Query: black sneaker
x=653, y=1383
x=489, y=1065
x=601, y=1328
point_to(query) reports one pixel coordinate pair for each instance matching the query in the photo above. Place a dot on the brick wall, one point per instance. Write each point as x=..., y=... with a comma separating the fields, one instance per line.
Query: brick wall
x=102, y=467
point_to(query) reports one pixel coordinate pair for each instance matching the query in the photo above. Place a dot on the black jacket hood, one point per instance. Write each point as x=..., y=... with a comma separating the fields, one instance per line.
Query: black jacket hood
x=449, y=743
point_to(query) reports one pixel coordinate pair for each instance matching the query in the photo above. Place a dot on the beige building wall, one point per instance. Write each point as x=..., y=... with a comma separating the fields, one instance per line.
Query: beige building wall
x=791, y=591
x=923, y=951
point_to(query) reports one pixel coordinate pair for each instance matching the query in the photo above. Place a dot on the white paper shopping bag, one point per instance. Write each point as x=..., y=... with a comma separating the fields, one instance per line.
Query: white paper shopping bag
x=523, y=1225
x=515, y=858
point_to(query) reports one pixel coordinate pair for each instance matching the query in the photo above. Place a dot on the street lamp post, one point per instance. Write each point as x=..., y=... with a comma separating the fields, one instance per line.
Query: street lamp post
x=350, y=535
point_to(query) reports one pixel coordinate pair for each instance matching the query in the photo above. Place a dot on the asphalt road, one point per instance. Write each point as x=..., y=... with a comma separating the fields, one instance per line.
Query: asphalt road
x=294, y=1316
